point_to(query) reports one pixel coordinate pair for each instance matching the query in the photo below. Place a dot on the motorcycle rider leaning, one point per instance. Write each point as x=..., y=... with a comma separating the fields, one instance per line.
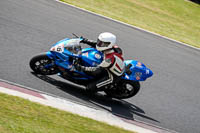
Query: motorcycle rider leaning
x=112, y=65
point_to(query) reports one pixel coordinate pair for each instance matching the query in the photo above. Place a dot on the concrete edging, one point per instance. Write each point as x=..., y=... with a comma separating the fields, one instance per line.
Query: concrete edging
x=69, y=106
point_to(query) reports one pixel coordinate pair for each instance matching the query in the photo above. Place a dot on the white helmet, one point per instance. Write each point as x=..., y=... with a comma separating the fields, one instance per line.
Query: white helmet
x=105, y=41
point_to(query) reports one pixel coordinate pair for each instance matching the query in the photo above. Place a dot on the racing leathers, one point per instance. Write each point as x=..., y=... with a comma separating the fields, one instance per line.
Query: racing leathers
x=111, y=67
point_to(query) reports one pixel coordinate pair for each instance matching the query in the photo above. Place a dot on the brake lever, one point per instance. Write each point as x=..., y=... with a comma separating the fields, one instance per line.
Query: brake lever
x=75, y=35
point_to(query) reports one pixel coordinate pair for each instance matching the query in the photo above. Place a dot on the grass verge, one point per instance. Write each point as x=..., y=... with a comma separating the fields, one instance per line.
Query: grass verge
x=176, y=19
x=18, y=115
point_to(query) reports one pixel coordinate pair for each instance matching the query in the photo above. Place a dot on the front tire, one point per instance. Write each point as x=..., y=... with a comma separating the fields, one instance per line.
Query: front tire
x=42, y=64
x=124, y=89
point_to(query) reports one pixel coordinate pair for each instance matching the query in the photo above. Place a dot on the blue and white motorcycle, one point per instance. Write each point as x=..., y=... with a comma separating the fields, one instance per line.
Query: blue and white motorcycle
x=62, y=56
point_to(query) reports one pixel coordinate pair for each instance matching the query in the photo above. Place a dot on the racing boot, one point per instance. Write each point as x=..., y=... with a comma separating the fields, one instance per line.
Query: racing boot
x=98, y=85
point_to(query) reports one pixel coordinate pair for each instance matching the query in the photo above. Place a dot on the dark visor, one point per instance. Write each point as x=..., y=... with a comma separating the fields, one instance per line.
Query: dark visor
x=102, y=44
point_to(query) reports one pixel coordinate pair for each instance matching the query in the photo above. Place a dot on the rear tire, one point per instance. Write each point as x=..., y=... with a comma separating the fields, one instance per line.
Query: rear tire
x=124, y=89
x=42, y=64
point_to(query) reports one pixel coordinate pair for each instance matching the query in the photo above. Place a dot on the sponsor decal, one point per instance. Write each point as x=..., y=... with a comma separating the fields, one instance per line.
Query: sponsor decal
x=85, y=54
x=138, y=78
x=98, y=56
x=59, y=49
x=139, y=64
x=138, y=75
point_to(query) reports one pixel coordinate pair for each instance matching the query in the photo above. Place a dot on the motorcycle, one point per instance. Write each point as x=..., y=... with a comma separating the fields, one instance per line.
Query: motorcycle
x=63, y=54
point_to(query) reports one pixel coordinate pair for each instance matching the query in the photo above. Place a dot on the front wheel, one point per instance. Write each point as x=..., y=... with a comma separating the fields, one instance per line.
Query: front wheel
x=124, y=89
x=42, y=64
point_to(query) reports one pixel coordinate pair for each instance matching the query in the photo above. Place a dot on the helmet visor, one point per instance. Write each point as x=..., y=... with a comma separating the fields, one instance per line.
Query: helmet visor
x=102, y=44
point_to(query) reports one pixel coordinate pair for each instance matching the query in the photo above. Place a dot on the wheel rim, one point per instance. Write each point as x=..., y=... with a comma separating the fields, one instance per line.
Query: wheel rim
x=127, y=89
x=124, y=90
x=45, y=66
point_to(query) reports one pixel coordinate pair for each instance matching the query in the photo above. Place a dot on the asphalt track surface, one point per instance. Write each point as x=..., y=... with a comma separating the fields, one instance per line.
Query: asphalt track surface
x=169, y=99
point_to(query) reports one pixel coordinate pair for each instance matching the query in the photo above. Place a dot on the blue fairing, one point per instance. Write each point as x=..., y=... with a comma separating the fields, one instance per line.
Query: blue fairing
x=139, y=71
x=91, y=57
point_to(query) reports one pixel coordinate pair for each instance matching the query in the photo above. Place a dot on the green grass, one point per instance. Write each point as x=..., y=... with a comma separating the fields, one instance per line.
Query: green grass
x=176, y=19
x=22, y=116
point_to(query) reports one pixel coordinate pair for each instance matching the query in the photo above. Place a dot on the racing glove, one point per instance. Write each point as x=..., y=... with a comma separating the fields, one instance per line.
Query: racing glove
x=89, y=42
x=85, y=40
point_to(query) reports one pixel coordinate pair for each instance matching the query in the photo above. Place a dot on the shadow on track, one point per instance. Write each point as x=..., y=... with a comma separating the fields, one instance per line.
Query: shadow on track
x=117, y=107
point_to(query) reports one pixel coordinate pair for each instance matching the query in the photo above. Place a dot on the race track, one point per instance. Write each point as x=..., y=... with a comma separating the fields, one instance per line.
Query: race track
x=170, y=99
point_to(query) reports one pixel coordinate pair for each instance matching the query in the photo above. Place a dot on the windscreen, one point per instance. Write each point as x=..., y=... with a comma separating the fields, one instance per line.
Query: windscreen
x=73, y=46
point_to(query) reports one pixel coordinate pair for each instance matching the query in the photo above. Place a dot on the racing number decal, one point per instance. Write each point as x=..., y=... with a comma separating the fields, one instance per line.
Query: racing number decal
x=59, y=49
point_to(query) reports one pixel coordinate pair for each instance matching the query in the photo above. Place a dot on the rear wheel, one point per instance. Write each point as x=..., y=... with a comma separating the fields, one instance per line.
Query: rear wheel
x=124, y=89
x=42, y=64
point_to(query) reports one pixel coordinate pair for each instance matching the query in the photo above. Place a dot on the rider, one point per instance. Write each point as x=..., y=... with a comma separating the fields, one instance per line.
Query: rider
x=112, y=65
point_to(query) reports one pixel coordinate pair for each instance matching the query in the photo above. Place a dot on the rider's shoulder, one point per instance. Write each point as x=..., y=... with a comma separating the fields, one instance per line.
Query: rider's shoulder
x=117, y=49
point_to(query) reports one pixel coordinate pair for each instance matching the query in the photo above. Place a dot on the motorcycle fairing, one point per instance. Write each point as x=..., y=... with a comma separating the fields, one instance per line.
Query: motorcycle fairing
x=139, y=72
x=67, y=66
x=91, y=57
